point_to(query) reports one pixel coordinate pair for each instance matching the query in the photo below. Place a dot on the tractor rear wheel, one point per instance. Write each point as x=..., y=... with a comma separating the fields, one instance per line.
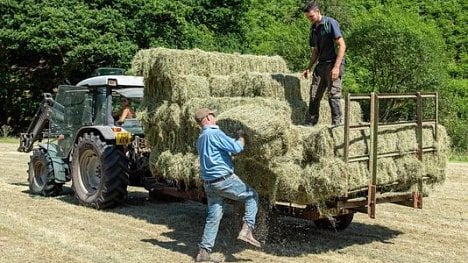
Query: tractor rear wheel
x=41, y=175
x=99, y=172
x=338, y=223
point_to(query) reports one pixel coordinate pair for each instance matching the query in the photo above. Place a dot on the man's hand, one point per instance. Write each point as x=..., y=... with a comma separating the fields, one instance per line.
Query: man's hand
x=335, y=73
x=305, y=74
x=240, y=137
x=60, y=138
x=240, y=133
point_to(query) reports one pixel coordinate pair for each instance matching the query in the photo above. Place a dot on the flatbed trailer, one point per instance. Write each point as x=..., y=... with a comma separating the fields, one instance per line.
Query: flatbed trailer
x=340, y=209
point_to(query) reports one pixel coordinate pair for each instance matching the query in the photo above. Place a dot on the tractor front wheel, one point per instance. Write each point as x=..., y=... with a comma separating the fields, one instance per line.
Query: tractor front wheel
x=41, y=175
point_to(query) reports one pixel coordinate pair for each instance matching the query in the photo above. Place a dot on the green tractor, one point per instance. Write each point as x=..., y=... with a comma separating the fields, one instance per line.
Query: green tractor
x=82, y=142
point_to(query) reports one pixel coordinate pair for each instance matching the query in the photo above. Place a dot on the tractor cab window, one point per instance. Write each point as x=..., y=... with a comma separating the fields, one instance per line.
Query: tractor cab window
x=72, y=109
x=125, y=104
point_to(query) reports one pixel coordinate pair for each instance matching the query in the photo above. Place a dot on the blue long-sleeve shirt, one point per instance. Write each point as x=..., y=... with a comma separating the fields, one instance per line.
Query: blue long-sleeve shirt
x=214, y=149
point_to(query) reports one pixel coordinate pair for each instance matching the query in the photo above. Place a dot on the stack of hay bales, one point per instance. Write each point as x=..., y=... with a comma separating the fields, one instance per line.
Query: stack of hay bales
x=283, y=160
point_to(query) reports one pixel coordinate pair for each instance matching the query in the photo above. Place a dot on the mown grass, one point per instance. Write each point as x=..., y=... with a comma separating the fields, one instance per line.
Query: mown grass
x=58, y=229
x=8, y=139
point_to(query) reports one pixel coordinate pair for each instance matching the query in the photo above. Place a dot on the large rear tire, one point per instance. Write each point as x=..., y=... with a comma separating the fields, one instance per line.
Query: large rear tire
x=99, y=172
x=41, y=175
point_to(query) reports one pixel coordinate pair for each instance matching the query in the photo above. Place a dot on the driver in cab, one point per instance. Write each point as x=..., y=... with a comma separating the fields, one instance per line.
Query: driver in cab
x=125, y=111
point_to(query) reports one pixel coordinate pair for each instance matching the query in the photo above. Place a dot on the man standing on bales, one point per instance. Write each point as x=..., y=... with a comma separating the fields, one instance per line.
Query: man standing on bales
x=328, y=49
x=217, y=171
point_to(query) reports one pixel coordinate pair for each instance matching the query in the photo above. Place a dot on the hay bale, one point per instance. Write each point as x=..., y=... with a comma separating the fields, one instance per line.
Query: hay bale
x=181, y=88
x=173, y=62
x=191, y=128
x=324, y=180
x=162, y=127
x=266, y=129
x=183, y=169
x=221, y=86
x=140, y=65
x=435, y=164
x=171, y=126
x=257, y=174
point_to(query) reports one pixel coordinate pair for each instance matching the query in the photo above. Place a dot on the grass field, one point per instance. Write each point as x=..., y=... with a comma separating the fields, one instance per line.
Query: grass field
x=57, y=229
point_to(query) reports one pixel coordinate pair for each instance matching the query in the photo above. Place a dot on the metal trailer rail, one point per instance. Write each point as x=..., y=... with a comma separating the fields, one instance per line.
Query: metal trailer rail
x=414, y=199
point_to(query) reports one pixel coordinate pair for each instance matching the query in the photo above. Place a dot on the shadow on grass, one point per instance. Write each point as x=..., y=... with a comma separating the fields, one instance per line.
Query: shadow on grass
x=66, y=195
x=293, y=237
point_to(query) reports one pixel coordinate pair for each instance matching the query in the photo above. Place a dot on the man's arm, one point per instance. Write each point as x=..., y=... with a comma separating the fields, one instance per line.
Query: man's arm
x=341, y=45
x=226, y=143
x=123, y=116
x=312, y=61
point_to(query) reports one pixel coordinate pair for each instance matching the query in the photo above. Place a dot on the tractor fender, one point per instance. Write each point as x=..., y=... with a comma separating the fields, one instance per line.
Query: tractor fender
x=61, y=168
x=105, y=131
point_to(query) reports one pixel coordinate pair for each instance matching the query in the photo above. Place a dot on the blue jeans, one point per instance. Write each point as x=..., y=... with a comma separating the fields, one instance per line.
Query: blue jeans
x=231, y=188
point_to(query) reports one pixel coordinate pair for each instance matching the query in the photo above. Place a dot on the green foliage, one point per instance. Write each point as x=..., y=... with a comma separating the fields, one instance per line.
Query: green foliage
x=459, y=158
x=454, y=112
x=208, y=25
x=5, y=130
x=11, y=140
x=278, y=28
x=393, y=51
x=47, y=43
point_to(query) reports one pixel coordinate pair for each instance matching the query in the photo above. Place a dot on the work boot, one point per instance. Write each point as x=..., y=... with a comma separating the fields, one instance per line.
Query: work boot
x=203, y=256
x=311, y=121
x=336, y=123
x=246, y=235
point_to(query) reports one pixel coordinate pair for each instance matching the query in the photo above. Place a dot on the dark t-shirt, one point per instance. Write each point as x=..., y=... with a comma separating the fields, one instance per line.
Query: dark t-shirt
x=323, y=37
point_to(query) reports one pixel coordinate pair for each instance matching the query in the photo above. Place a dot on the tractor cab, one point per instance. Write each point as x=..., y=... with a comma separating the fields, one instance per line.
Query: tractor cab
x=108, y=92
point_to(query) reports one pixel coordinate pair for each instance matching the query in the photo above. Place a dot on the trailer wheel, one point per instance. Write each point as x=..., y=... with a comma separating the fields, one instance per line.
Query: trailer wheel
x=338, y=223
x=41, y=175
x=99, y=172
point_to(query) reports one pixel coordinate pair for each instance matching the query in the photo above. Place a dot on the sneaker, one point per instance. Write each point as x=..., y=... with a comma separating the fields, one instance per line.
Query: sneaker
x=203, y=256
x=246, y=235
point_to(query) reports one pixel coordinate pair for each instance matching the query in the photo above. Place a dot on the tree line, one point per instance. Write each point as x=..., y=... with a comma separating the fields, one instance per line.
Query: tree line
x=393, y=45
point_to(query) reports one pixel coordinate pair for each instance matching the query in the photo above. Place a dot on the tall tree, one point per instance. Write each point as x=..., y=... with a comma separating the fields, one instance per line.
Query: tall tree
x=47, y=42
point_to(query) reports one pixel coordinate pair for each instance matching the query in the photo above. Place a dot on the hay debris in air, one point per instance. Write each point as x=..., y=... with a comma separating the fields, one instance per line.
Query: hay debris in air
x=283, y=160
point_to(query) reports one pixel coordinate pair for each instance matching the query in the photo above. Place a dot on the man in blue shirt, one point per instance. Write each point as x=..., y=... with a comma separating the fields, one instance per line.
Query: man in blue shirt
x=328, y=49
x=217, y=171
